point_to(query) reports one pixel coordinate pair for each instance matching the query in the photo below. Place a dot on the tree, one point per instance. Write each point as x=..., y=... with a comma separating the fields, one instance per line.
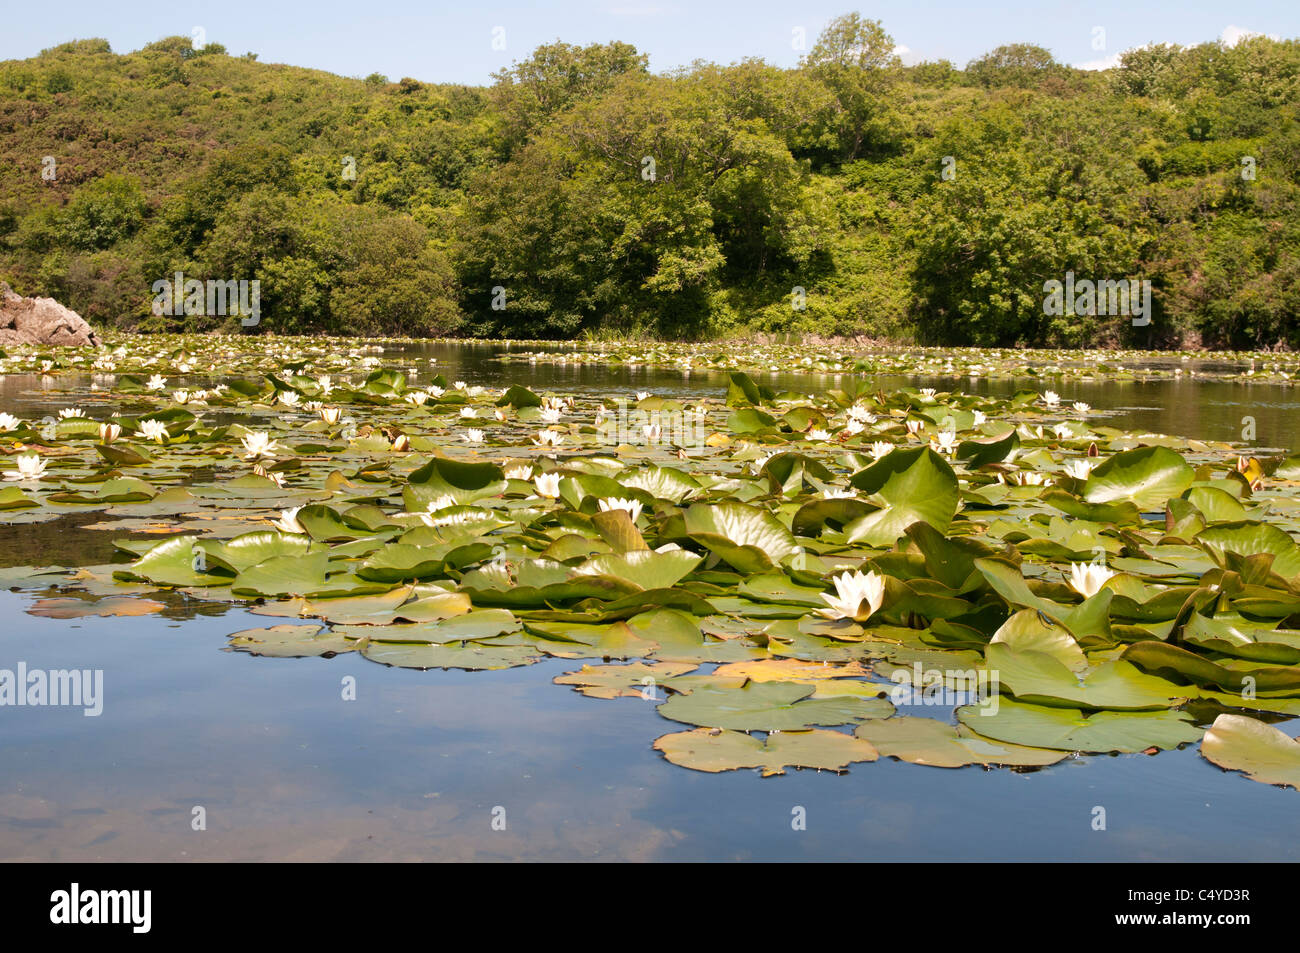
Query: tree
x=854, y=58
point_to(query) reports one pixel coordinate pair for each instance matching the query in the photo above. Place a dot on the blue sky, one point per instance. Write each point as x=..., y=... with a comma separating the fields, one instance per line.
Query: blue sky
x=453, y=41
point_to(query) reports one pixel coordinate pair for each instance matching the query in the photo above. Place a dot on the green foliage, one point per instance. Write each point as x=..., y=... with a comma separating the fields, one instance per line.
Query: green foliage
x=849, y=196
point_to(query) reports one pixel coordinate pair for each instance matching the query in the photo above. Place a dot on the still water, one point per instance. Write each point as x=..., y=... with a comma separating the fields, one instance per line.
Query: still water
x=505, y=765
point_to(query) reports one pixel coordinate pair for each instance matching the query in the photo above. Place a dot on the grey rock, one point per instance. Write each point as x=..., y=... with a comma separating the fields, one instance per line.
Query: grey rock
x=41, y=321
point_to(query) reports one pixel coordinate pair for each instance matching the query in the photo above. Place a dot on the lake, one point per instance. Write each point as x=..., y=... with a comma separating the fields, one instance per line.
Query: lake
x=288, y=759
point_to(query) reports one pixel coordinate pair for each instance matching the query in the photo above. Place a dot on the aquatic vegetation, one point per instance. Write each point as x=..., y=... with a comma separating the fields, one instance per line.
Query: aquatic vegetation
x=812, y=566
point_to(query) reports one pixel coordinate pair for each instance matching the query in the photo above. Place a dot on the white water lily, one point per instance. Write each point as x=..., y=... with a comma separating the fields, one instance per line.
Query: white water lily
x=980, y=417
x=1063, y=431
x=1081, y=407
x=68, y=413
x=818, y=436
x=459, y=385
x=288, y=522
x=468, y=413
x=1087, y=578
x=1079, y=469
x=499, y=414
x=633, y=507
x=548, y=438
x=157, y=382
x=433, y=390
x=154, y=430
x=852, y=590
x=109, y=432
x=548, y=485
x=642, y=395
x=472, y=435
x=854, y=427
x=915, y=426
x=1051, y=398
x=330, y=414
x=8, y=422
x=417, y=397
x=928, y=391
x=550, y=415
x=326, y=384
x=30, y=467
x=879, y=448
x=838, y=493
x=289, y=398
x=181, y=396
x=258, y=444
x=275, y=477
x=519, y=473
x=861, y=414
x=946, y=441
x=652, y=432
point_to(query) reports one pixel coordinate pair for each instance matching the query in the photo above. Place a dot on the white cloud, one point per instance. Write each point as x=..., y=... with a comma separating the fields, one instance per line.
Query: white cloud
x=1110, y=62
x=1232, y=35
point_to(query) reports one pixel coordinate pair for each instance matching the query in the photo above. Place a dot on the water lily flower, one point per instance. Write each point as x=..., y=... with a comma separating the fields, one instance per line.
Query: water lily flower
x=499, y=414
x=854, y=427
x=157, y=382
x=633, y=507
x=548, y=485
x=109, y=432
x=468, y=412
x=879, y=448
x=258, y=444
x=30, y=467
x=181, y=396
x=154, y=430
x=519, y=473
x=416, y=397
x=852, y=591
x=274, y=476
x=928, y=391
x=288, y=522
x=434, y=390
x=914, y=426
x=652, y=432
x=289, y=398
x=325, y=383
x=642, y=395
x=1051, y=398
x=946, y=441
x=1081, y=407
x=67, y=413
x=550, y=415
x=8, y=422
x=1087, y=578
x=401, y=443
x=330, y=414
x=472, y=436
x=548, y=438
x=459, y=385
x=1079, y=469
x=1063, y=431
x=980, y=417
x=818, y=436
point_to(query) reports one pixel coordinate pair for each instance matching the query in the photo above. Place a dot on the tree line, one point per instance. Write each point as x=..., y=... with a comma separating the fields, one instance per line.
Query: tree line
x=582, y=194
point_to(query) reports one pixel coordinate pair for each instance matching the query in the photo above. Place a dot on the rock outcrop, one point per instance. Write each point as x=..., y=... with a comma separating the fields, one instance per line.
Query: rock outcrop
x=41, y=321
